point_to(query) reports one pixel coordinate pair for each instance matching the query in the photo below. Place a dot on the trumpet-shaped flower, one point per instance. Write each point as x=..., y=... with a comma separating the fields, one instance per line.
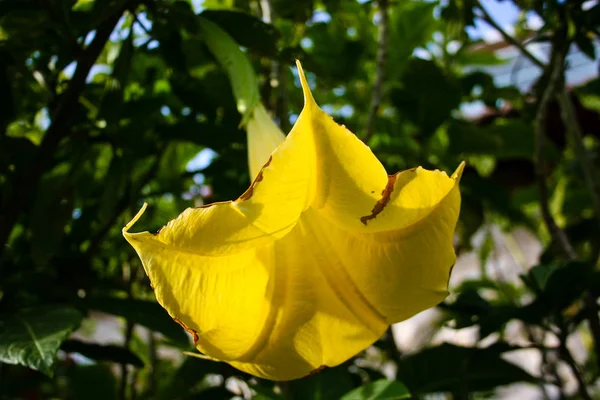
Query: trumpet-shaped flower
x=314, y=261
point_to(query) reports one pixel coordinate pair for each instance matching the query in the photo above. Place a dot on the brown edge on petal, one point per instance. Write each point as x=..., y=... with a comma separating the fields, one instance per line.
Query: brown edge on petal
x=381, y=203
x=248, y=193
x=188, y=330
x=316, y=371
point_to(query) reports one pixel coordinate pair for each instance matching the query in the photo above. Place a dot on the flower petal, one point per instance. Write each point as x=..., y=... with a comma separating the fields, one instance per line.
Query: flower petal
x=352, y=187
x=278, y=311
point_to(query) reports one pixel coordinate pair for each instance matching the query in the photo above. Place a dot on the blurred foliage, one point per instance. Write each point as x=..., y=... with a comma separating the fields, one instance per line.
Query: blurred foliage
x=107, y=104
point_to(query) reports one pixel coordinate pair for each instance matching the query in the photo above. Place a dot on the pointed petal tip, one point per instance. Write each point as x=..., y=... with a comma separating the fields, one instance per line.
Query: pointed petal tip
x=125, y=229
x=459, y=170
x=308, y=97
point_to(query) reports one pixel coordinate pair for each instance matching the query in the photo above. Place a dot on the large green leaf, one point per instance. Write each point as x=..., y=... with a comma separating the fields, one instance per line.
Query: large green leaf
x=246, y=29
x=329, y=384
x=412, y=24
x=379, y=390
x=455, y=369
x=92, y=382
x=241, y=74
x=192, y=371
x=426, y=95
x=32, y=337
x=504, y=138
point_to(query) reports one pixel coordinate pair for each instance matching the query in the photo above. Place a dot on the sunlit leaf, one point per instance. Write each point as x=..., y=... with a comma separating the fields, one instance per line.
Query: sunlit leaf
x=32, y=337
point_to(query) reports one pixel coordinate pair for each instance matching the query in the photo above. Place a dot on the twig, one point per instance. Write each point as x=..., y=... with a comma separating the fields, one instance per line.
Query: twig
x=572, y=126
x=555, y=74
x=508, y=38
x=391, y=346
x=382, y=55
x=276, y=82
x=144, y=28
x=568, y=358
x=593, y=184
x=129, y=276
x=58, y=129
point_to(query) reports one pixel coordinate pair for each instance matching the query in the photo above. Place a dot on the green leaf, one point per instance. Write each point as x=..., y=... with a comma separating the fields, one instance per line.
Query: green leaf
x=83, y=5
x=426, y=95
x=241, y=74
x=146, y=313
x=379, y=390
x=192, y=371
x=50, y=214
x=329, y=384
x=92, y=382
x=99, y=352
x=32, y=337
x=412, y=24
x=504, y=138
x=455, y=369
x=246, y=29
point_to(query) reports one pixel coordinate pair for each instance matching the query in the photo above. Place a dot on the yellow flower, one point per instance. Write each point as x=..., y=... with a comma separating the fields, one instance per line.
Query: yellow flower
x=313, y=262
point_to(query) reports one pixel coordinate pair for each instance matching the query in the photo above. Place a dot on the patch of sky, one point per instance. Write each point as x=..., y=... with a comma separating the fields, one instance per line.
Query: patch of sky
x=346, y=111
x=144, y=21
x=339, y=91
x=89, y=37
x=352, y=32
x=589, y=4
x=76, y=213
x=453, y=46
x=185, y=111
x=422, y=53
x=199, y=178
x=201, y=160
x=293, y=118
x=42, y=119
x=306, y=43
x=69, y=70
x=153, y=44
x=98, y=69
x=321, y=16
x=198, y=6
x=165, y=110
x=472, y=109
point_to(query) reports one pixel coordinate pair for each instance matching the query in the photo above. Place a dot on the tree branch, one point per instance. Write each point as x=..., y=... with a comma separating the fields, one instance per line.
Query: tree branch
x=568, y=358
x=488, y=18
x=58, y=129
x=555, y=70
x=589, y=169
x=382, y=55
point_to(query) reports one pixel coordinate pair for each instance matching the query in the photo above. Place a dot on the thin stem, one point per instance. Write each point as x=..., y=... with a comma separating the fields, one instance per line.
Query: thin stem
x=382, y=55
x=575, y=370
x=129, y=276
x=591, y=304
x=276, y=83
x=144, y=28
x=590, y=173
x=391, y=346
x=555, y=73
x=508, y=38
